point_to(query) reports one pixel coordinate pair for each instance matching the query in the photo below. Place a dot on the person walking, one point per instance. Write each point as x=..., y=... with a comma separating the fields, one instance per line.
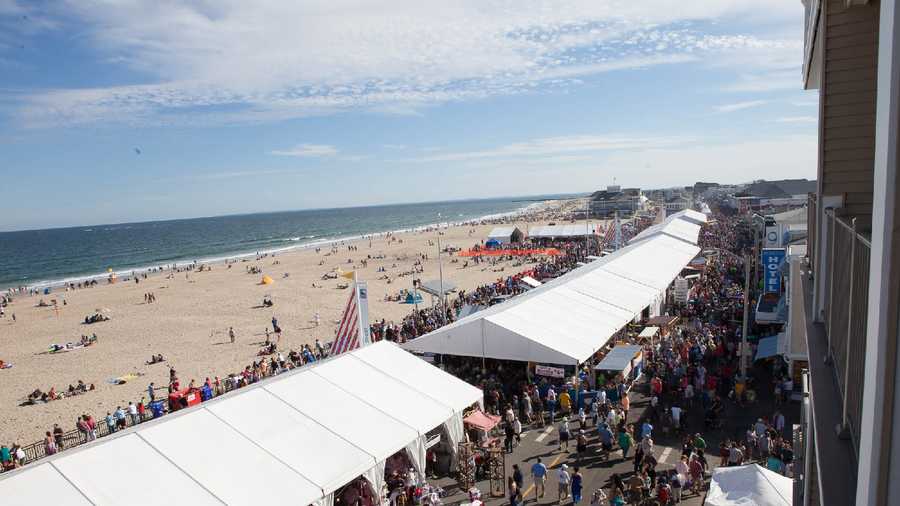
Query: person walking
x=513, y=491
x=519, y=479
x=563, y=482
x=231, y=334
x=539, y=475
x=626, y=441
x=564, y=433
x=576, y=485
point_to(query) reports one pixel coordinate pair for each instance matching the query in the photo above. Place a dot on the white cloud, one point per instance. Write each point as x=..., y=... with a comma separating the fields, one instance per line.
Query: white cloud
x=555, y=146
x=308, y=151
x=798, y=119
x=269, y=60
x=738, y=106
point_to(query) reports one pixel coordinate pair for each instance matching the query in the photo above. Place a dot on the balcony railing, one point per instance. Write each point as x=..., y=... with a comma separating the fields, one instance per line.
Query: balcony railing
x=847, y=278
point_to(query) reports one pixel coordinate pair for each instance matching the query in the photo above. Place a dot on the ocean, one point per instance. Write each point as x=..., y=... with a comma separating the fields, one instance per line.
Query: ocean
x=38, y=258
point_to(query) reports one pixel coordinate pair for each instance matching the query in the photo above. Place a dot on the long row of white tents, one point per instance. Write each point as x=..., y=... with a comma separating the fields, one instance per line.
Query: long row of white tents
x=567, y=320
x=301, y=435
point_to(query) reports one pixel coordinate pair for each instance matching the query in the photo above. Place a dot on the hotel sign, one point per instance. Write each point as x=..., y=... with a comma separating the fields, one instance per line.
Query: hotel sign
x=772, y=260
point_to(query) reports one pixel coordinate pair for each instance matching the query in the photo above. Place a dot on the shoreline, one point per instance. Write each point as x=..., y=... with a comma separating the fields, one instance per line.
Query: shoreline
x=126, y=272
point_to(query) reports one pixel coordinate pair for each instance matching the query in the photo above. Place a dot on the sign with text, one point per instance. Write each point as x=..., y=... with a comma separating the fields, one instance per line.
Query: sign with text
x=550, y=372
x=772, y=260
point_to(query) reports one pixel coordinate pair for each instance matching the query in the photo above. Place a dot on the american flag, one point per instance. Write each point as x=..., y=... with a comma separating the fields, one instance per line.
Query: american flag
x=347, y=337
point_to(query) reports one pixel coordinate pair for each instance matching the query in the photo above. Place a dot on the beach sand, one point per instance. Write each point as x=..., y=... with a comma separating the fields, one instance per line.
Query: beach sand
x=189, y=322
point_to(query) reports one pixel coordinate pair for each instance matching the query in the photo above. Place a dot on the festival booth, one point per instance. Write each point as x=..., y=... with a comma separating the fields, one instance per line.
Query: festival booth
x=749, y=484
x=648, y=335
x=623, y=362
x=325, y=432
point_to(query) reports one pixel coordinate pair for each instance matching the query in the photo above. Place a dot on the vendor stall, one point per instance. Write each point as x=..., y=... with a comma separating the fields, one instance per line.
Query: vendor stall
x=624, y=362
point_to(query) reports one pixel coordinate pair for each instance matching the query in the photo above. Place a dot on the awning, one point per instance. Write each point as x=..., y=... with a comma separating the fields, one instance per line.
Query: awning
x=767, y=347
x=528, y=280
x=482, y=421
x=433, y=287
x=649, y=332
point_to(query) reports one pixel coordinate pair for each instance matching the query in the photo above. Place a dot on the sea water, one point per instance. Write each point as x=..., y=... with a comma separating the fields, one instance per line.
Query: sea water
x=39, y=258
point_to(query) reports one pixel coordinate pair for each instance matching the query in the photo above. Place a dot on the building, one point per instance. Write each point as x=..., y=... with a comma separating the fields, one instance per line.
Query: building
x=852, y=282
x=625, y=201
x=677, y=203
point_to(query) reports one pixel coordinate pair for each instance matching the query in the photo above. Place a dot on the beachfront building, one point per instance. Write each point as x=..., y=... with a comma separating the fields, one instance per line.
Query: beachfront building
x=851, y=284
x=505, y=235
x=625, y=201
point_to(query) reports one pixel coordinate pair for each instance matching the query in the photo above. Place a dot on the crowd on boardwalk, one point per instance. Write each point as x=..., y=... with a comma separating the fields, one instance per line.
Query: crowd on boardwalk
x=691, y=379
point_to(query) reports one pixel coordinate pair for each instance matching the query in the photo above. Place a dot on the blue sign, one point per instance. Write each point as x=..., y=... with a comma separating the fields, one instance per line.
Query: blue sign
x=772, y=260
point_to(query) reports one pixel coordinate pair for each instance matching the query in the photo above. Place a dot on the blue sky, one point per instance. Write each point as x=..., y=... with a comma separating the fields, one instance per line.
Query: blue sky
x=261, y=106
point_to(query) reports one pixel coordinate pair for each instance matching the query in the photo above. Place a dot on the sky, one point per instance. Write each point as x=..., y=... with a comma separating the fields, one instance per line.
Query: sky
x=130, y=110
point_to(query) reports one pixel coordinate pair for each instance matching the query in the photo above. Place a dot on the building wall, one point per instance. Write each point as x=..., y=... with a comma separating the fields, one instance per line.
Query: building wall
x=847, y=94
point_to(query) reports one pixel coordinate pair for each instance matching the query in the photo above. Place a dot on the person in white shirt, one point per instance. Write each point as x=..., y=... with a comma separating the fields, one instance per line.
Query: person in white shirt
x=647, y=445
x=132, y=411
x=676, y=416
x=563, y=480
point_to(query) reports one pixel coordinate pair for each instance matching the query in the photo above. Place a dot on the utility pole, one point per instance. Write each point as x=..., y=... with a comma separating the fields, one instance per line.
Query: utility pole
x=746, y=317
x=441, y=277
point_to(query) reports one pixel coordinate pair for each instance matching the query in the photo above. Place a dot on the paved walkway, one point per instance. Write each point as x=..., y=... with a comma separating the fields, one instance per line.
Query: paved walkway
x=543, y=443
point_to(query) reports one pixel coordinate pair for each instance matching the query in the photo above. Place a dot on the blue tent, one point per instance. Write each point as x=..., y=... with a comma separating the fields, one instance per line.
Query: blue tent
x=412, y=299
x=492, y=243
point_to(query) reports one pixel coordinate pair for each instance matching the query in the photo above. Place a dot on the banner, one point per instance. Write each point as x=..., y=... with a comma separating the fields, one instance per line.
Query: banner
x=550, y=372
x=772, y=260
x=362, y=303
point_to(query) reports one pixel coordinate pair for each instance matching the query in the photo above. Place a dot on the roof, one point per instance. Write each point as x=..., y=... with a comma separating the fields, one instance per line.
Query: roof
x=550, y=231
x=649, y=332
x=749, y=484
x=681, y=225
x=502, y=232
x=568, y=319
x=792, y=217
x=434, y=287
x=781, y=188
x=619, y=358
x=292, y=432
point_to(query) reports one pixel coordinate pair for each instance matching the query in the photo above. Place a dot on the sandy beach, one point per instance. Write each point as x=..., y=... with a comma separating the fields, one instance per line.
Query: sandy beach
x=193, y=311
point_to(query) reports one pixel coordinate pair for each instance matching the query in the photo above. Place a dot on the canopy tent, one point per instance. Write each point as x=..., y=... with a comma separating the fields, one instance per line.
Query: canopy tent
x=767, y=347
x=649, y=333
x=684, y=225
x=310, y=431
x=750, y=484
x=433, y=287
x=505, y=235
x=619, y=358
x=566, y=320
x=562, y=231
x=530, y=282
x=480, y=420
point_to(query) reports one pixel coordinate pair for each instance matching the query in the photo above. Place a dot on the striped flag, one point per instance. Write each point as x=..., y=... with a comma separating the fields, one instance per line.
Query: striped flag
x=353, y=330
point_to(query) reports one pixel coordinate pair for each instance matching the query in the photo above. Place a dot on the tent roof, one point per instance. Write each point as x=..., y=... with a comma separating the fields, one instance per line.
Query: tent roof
x=649, y=331
x=434, y=287
x=571, y=230
x=750, y=484
x=566, y=320
x=684, y=225
x=530, y=281
x=298, y=431
x=502, y=232
x=618, y=358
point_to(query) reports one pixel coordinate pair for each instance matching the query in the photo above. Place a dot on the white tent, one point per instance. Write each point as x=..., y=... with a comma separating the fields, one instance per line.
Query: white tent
x=749, y=485
x=310, y=431
x=684, y=225
x=566, y=320
x=530, y=282
x=562, y=231
x=505, y=235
